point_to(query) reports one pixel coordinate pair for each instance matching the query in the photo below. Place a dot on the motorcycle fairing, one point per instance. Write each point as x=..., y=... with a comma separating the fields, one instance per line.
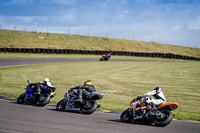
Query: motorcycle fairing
x=96, y=96
x=29, y=91
x=171, y=105
x=138, y=105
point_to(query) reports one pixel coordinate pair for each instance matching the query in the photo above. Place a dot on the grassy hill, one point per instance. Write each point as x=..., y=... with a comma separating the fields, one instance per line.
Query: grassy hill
x=20, y=39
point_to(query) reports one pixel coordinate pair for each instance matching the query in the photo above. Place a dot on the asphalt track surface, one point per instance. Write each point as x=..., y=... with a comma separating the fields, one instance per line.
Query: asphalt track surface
x=4, y=62
x=23, y=61
x=20, y=118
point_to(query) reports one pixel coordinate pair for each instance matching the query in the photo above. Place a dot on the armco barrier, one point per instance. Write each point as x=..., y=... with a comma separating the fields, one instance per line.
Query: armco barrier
x=95, y=52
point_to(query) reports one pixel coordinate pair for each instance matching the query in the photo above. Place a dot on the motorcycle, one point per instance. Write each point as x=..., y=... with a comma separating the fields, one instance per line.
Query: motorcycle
x=140, y=111
x=87, y=104
x=30, y=96
x=105, y=57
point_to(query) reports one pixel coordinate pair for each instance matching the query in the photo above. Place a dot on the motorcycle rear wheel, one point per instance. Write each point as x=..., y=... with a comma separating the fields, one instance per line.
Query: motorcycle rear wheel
x=126, y=116
x=44, y=101
x=163, y=120
x=89, y=110
x=61, y=105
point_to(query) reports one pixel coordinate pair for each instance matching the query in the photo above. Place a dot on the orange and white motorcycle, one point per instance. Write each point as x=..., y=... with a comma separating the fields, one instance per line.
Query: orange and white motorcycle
x=139, y=110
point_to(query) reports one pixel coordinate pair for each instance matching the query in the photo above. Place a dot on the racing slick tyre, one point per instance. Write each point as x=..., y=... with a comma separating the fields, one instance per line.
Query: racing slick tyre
x=20, y=99
x=44, y=99
x=61, y=105
x=126, y=116
x=89, y=107
x=164, y=119
x=101, y=59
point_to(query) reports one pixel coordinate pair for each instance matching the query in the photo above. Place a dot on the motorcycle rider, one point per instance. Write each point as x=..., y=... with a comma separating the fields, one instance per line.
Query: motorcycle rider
x=159, y=97
x=85, y=90
x=43, y=85
x=46, y=84
x=107, y=56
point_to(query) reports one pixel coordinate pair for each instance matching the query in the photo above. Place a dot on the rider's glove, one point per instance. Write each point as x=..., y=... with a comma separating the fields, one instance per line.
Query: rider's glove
x=139, y=97
x=71, y=89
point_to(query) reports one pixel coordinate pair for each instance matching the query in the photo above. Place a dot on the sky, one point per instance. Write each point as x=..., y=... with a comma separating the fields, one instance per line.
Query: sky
x=174, y=22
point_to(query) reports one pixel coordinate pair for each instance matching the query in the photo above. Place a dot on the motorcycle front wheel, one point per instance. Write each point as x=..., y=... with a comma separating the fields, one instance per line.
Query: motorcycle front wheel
x=20, y=99
x=101, y=59
x=164, y=119
x=61, y=105
x=126, y=116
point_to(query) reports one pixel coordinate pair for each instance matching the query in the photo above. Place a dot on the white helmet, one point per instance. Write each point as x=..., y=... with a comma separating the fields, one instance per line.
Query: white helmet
x=46, y=79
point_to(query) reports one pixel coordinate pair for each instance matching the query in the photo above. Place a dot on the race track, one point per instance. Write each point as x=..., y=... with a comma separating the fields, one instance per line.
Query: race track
x=16, y=118
x=4, y=62
x=23, y=61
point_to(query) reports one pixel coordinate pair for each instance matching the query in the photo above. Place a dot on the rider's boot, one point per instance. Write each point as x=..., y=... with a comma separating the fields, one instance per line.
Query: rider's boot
x=99, y=105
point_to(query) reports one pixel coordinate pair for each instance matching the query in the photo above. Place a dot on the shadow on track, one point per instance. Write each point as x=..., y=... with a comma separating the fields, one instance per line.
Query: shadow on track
x=134, y=122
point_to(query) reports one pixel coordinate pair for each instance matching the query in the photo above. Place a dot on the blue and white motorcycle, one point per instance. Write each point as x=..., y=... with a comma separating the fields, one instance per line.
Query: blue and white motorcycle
x=31, y=95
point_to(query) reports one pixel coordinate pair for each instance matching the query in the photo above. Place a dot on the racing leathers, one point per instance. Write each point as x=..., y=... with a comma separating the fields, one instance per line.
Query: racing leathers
x=41, y=86
x=158, y=94
x=84, y=90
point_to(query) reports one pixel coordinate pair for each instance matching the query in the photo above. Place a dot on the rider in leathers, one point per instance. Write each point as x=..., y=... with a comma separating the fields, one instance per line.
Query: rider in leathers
x=43, y=85
x=158, y=95
x=85, y=90
x=107, y=56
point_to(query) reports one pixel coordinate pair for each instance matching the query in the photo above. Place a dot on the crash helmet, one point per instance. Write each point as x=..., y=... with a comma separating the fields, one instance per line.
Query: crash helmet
x=158, y=90
x=88, y=82
x=48, y=83
x=46, y=80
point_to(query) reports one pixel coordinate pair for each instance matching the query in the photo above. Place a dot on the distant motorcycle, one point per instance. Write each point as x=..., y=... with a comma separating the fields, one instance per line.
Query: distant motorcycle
x=30, y=96
x=140, y=111
x=105, y=57
x=87, y=105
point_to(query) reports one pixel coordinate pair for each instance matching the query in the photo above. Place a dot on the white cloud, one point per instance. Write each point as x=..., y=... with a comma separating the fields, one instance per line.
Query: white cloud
x=21, y=19
x=194, y=24
x=176, y=27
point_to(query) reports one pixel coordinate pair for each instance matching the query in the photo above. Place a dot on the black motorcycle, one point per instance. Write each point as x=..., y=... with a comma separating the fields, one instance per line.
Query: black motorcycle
x=87, y=105
x=105, y=57
x=31, y=96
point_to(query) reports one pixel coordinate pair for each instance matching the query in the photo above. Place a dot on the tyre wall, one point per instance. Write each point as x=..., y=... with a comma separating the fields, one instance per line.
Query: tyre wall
x=95, y=52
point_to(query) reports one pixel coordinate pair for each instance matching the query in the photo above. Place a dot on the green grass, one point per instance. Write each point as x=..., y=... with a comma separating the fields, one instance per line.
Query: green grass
x=19, y=39
x=119, y=81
